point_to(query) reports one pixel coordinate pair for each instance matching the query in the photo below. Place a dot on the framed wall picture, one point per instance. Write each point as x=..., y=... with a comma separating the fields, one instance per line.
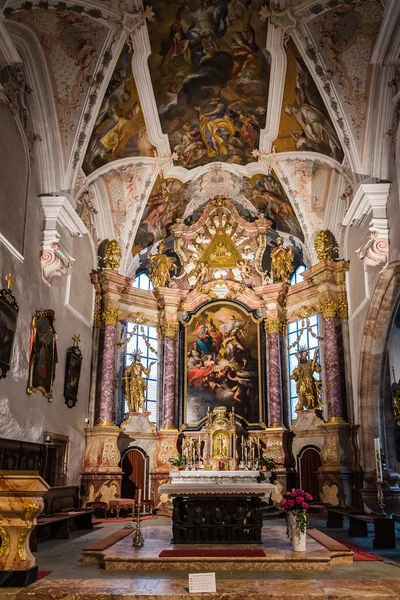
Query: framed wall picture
x=72, y=375
x=222, y=363
x=8, y=324
x=43, y=360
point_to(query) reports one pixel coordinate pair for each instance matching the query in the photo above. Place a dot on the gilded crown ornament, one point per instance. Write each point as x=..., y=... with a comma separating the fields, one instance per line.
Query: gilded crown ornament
x=325, y=245
x=113, y=255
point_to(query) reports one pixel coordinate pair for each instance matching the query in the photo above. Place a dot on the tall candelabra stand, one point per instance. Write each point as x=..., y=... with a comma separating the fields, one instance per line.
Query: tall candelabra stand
x=138, y=539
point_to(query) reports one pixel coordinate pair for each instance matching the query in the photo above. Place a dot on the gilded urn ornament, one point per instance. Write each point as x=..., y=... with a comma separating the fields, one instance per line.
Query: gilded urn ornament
x=281, y=262
x=113, y=255
x=325, y=245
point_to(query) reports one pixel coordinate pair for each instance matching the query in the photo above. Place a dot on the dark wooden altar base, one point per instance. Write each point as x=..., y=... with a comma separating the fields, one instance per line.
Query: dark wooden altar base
x=216, y=520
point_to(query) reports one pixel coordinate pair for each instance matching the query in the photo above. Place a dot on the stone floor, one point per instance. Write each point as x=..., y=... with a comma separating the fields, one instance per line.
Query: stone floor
x=71, y=579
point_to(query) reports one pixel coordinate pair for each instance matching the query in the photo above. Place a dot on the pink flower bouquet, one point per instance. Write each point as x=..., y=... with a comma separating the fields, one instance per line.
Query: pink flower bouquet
x=297, y=502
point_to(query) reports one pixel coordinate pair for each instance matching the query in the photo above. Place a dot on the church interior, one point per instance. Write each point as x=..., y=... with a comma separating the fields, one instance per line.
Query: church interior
x=199, y=299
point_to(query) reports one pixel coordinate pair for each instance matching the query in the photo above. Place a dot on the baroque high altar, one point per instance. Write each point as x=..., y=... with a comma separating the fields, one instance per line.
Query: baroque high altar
x=222, y=315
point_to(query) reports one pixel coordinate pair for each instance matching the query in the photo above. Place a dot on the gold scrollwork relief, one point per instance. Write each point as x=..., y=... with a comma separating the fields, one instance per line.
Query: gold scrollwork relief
x=5, y=538
x=21, y=551
x=324, y=245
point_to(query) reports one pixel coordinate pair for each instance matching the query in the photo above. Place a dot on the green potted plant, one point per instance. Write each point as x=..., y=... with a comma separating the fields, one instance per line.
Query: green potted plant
x=267, y=463
x=177, y=462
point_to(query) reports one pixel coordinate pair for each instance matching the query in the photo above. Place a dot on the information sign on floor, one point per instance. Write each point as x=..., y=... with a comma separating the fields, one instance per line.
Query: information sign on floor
x=202, y=582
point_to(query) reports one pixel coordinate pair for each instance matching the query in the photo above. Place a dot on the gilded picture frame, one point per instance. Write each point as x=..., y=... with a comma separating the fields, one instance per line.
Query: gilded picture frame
x=43, y=357
x=221, y=350
x=72, y=375
x=8, y=325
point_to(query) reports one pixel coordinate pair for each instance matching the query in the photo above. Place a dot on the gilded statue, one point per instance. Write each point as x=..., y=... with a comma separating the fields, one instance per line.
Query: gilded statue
x=308, y=388
x=113, y=255
x=161, y=265
x=324, y=245
x=135, y=385
x=220, y=445
x=281, y=262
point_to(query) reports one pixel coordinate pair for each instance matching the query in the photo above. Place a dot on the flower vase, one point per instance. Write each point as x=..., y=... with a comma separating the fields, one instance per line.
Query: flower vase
x=297, y=538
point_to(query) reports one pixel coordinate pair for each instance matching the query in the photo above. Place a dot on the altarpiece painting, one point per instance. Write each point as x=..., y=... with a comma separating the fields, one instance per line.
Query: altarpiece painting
x=8, y=323
x=222, y=365
x=43, y=359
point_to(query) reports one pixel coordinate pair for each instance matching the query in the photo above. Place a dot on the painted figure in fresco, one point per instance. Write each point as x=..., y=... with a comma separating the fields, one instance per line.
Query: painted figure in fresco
x=192, y=147
x=208, y=338
x=215, y=125
x=247, y=62
x=135, y=385
x=176, y=55
x=281, y=262
x=317, y=129
x=86, y=210
x=163, y=206
x=161, y=266
x=308, y=388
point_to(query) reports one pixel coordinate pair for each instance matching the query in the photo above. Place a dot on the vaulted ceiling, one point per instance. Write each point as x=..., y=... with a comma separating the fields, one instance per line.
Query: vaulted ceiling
x=158, y=108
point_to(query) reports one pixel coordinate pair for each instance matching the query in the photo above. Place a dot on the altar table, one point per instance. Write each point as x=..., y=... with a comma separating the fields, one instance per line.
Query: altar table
x=221, y=507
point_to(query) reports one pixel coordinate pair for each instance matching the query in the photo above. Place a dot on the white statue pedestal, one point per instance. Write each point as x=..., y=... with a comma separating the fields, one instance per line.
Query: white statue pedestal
x=137, y=422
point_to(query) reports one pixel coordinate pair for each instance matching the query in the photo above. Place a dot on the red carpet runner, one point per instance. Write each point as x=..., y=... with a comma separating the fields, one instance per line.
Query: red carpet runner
x=209, y=553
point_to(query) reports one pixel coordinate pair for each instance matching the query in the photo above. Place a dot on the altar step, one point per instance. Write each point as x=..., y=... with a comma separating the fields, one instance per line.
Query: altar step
x=276, y=555
x=228, y=589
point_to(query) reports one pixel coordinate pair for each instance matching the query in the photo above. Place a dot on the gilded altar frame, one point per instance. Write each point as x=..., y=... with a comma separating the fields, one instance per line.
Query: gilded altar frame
x=43, y=354
x=8, y=325
x=259, y=348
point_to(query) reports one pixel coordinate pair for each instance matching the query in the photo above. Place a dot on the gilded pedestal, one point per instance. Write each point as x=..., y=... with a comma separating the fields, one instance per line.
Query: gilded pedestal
x=21, y=501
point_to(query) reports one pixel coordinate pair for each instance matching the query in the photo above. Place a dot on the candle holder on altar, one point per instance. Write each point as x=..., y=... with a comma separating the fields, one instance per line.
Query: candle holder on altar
x=138, y=539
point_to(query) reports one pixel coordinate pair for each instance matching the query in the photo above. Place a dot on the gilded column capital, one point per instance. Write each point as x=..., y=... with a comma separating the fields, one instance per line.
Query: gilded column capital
x=333, y=308
x=111, y=316
x=97, y=321
x=275, y=325
x=169, y=328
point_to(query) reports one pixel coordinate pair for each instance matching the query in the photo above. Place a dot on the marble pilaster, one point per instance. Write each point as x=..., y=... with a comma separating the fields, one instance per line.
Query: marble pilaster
x=170, y=331
x=274, y=381
x=106, y=400
x=333, y=383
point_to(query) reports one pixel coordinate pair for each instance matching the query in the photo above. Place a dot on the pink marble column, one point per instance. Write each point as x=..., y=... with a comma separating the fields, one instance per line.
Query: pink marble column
x=169, y=382
x=332, y=371
x=274, y=381
x=105, y=408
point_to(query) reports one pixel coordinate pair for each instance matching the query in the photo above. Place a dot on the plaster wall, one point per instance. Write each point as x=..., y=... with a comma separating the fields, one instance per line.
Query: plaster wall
x=22, y=416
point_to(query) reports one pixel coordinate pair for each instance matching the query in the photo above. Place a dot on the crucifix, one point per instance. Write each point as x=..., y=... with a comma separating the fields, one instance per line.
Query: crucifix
x=77, y=339
x=10, y=281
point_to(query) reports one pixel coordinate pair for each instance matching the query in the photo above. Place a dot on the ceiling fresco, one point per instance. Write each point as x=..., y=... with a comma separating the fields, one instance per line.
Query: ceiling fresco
x=72, y=43
x=305, y=123
x=210, y=73
x=346, y=37
x=166, y=203
x=119, y=130
x=267, y=195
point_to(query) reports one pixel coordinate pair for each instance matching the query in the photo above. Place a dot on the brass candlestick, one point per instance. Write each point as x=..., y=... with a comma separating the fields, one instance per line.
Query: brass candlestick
x=138, y=539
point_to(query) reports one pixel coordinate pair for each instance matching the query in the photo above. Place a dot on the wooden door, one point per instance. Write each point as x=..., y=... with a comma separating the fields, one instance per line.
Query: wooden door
x=309, y=461
x=134, y=473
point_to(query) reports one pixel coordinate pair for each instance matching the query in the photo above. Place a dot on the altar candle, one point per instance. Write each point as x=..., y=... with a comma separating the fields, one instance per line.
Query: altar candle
x=140, y=496
x=378, y=461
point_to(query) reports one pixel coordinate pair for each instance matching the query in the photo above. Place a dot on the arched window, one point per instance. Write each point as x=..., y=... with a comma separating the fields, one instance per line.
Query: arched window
x=307, y=338
x=297, y=274
x=148, y=354
x=142, y=281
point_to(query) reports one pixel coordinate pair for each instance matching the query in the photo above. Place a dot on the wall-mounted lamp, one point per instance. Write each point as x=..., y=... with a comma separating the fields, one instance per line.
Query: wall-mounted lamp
x=87, y=420
x=48, y=438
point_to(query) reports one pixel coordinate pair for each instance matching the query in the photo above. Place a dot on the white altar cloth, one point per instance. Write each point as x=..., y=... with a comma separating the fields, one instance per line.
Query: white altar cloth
x=217, y=483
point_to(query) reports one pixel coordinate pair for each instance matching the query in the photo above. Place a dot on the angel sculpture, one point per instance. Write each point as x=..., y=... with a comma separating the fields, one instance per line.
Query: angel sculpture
x=281, y=262
x=161, y=265
x=308, y=388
